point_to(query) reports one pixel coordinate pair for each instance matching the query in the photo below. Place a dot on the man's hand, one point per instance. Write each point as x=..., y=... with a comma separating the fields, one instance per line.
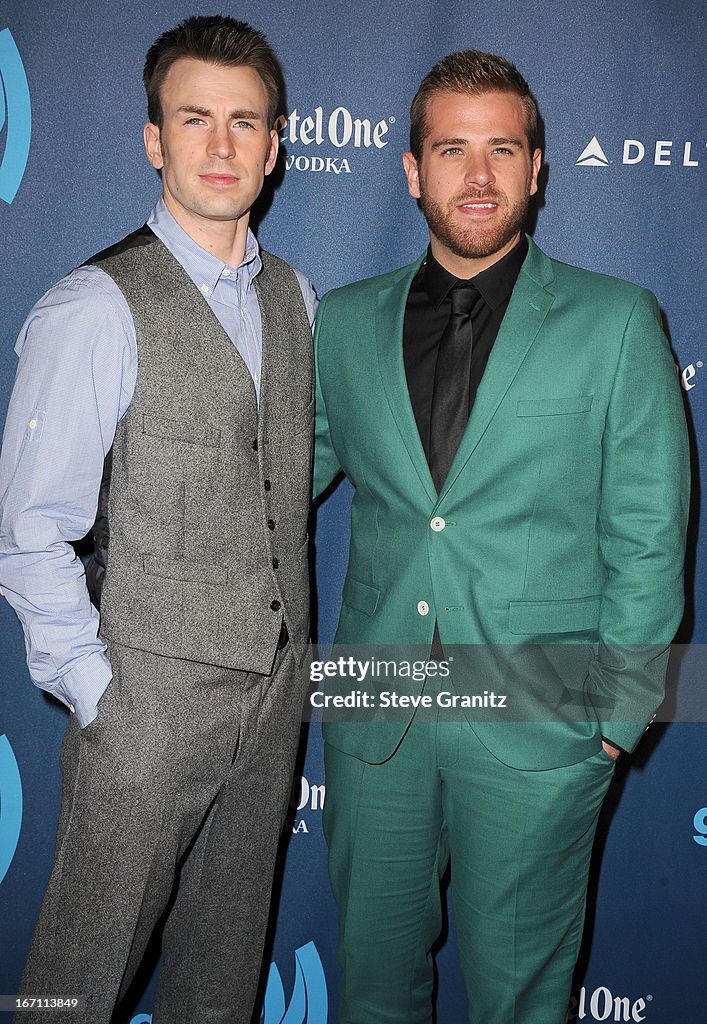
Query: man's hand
x=611, y=750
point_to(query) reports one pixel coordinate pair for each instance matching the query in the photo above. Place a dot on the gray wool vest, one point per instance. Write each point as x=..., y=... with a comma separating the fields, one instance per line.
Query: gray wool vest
x=202, y=525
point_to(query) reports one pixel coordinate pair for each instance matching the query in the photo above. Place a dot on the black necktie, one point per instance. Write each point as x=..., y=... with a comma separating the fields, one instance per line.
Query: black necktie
x=450, y=398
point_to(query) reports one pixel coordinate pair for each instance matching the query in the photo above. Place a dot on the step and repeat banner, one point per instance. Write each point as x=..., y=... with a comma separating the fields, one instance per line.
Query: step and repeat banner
x=621, y=91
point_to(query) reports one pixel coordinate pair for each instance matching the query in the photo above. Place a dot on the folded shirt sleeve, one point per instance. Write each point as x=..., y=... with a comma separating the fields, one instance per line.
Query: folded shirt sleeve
x=75, y=379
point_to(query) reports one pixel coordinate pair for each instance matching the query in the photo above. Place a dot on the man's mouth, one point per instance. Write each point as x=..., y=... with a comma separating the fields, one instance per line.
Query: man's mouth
x=219, y=179
x=477, y=207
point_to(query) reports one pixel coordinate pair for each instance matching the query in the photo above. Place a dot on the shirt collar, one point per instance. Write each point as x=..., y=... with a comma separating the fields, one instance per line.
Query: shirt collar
x=203, y=267
x=494, y=284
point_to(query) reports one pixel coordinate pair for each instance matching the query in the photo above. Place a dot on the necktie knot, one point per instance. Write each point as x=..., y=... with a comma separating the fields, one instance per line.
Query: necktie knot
x=463, y=297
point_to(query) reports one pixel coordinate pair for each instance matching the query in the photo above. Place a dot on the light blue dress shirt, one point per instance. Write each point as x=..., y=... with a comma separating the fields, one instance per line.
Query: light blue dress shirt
x=76, y=377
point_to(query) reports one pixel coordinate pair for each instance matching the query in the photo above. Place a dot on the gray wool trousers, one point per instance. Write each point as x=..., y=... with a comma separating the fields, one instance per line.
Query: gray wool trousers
x=182, y=780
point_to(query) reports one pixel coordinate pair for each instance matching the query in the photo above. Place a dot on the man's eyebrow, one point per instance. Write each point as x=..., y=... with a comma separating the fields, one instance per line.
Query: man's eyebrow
x=189, y=108
x=448, y=142
x=497, y=140
x=504, y=141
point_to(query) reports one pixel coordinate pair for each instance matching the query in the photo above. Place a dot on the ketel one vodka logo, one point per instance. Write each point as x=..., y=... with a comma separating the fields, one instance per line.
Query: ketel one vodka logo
x=309, y=1003
x=305, y=797
x=338, y=132
x=602, y=1005
x=10, y=805
x=15, y=117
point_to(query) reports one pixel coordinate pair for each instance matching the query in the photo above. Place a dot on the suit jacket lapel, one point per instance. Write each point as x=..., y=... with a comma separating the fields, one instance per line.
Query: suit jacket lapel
x=390, y=314
x=530, y=302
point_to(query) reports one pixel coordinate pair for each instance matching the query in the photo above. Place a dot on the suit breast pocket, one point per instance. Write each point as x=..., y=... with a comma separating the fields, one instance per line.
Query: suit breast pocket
x=571, y=406
x=555, y=429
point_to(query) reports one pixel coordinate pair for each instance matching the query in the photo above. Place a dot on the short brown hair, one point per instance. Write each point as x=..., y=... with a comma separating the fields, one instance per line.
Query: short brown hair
x=215, y=39
x=470, y=71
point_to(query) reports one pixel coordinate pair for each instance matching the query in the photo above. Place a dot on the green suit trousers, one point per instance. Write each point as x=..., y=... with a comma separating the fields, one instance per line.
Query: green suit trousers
x=520, y=844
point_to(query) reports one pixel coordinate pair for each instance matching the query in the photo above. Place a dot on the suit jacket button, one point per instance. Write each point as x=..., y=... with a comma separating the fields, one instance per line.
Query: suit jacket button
x=275, y=605
x=423, y=607
x=437, y=524
x=271, y=524
x=276, y=563
x=267, y=485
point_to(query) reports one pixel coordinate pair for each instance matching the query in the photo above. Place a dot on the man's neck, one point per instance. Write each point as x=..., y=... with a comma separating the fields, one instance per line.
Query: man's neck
x=224, y=239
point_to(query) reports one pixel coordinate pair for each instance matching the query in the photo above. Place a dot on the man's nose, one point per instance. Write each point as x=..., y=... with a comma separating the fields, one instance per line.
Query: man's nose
x=478, y=170
x=221, y=142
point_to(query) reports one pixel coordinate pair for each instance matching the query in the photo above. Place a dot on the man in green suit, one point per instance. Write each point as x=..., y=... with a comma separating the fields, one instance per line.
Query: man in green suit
x=514, y=432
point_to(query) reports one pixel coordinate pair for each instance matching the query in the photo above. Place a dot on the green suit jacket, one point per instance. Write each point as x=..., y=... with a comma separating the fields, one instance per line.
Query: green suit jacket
x=563, y=515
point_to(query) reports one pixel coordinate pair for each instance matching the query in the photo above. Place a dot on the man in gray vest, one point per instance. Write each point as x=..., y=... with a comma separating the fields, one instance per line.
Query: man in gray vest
x=164, y=393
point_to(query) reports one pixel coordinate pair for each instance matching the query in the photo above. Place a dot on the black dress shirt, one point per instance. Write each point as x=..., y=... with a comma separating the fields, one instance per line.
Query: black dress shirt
x=426, y=315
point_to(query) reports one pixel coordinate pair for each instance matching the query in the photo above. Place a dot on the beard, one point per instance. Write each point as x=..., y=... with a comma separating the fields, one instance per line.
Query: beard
x=474, y=240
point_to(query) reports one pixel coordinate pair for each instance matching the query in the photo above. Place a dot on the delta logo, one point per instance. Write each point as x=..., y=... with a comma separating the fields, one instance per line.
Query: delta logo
x=339, y=130
x=659, y=152
x=15, y=118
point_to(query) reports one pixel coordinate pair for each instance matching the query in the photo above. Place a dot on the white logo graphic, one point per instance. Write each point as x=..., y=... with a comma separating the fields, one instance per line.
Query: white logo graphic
x=634, y=152
x=687, y=376
x=603, y=1005
x=305, y=797
x=592, y=155
x=339, y=129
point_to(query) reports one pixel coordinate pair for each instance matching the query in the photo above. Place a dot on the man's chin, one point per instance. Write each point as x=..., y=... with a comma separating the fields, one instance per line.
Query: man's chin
x=224, y=211
x=479, y=245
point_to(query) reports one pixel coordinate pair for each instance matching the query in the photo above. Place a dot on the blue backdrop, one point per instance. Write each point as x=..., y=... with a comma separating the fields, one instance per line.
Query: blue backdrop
x=620, y=89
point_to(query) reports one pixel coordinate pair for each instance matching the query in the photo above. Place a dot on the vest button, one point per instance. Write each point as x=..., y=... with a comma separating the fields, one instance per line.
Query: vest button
x=255, y=445
x=267, y=485
x=271, y=524
x=276, y=563
x=275, y=605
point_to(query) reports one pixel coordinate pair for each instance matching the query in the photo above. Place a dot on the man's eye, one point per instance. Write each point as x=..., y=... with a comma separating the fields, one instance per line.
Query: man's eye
x=244, y=124
x=194, y=120
x=502, y=149
x=451, y=151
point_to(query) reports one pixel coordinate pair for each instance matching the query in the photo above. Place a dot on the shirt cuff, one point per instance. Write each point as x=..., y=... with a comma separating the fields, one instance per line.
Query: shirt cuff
x=82, y=686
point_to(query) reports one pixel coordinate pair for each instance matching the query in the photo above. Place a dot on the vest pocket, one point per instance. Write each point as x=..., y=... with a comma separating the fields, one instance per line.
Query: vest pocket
x=181, y=430
x=302, y=419
x=186, y=572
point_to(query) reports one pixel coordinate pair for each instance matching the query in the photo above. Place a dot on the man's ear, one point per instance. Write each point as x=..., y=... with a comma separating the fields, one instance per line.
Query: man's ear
x=413, y=175
x=536, y=162
x=153, y=145
x=272, y=155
